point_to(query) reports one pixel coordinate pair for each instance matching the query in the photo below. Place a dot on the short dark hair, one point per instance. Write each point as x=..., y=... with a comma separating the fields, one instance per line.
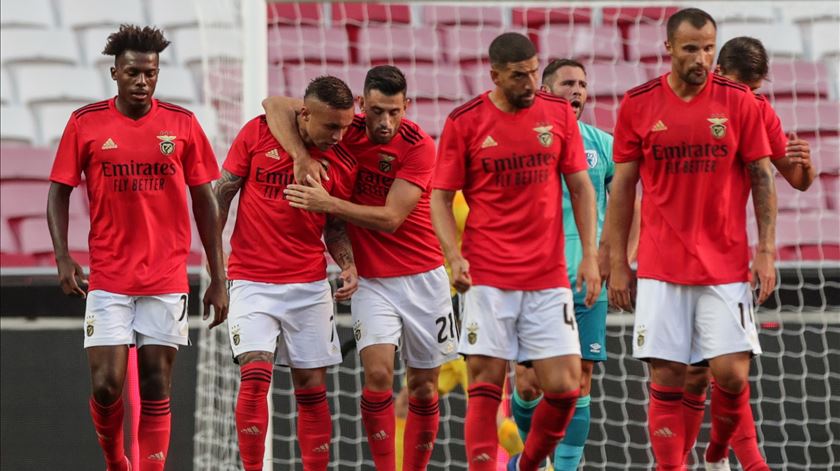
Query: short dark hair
x=511, y=47
x=387, y=79
x=695, y=16
x=745, y=57
x=135, y=38
x=330, y=90
x=557, y=64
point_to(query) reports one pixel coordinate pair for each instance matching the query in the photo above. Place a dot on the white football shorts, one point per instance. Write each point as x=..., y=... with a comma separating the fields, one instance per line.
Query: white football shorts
x=519, y=325
x=414, y=308
x=118, y=319
x=295, y=321
x=690, y=324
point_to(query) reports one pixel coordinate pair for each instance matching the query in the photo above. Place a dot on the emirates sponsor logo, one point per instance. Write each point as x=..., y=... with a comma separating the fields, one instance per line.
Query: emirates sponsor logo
x=252, y=430
x=489, y=142
x=664, y=432
x=159, y=456
x=109, y=144
x=659, y=127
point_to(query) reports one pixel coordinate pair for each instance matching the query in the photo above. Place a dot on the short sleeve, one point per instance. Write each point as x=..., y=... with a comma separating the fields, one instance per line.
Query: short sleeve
x=69, y=159
x=450, y=171
x=775, y=134
x=199, y=160
x=238, y=160
x=627, y=145
x=418, y=164
x=752, y=136
x=572, y=155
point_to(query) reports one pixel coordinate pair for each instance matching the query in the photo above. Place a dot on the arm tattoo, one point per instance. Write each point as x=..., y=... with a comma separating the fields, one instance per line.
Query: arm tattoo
x=224, y=190
x=335, y=236
x=764, y=201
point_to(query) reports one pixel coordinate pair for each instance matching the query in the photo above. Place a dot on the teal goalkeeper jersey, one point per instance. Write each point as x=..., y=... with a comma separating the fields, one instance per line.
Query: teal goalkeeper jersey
x=598, y=146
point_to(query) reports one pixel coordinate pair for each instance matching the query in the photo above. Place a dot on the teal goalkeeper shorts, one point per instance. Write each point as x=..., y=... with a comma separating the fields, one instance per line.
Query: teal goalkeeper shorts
x=592, y=327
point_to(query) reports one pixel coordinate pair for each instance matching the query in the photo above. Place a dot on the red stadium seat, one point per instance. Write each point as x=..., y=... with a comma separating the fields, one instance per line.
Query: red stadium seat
x=435, y=82
x=10, y=255
x=601, y=115
x=581, y=42
x=398, y=45
x=8, y=241
x=27, y=198
x=808, y=236
x=612, y=80
x=311, y=44
x=537, y=17
x=362, y=13
x=16, y=125
x=654, y=70
x=462, y=15
x=477, y=78
x=26, y=163
x=469, y=44
x=791, y=199
x=431, y=116
x=295, y=13
x=35, y=235
x=634, y=15
x=825, y=154
x=780, y=39
x=646, y=43
x=796, y=78
x=809, y=117
x=299, y=76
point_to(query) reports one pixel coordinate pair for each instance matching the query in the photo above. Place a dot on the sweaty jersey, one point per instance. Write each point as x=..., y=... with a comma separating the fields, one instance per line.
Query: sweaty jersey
x=693, y=158
x=273, y=242
x=136, y=172
x=509, y=167
x=773, y=125
x=598, y=146
x=413, y=248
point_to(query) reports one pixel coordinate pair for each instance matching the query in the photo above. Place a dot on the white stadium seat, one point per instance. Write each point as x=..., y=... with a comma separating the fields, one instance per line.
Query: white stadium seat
x=80, y=14
x=208, y=120
x=26, y=14
x=33, y=45
x=42, y=83
x=176, y=84
x=53, y=119
x=171, y=14
x=16, y=125
x=727, y=12
x=824, y=39
x=793, y=11
x=5, y=87
x=190, y=45
x=780, y=39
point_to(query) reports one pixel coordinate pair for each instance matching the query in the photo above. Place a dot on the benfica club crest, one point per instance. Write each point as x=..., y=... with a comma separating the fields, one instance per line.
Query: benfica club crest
x=385, y=162
x=544, y=135
x=718, y=127
x=167, y=144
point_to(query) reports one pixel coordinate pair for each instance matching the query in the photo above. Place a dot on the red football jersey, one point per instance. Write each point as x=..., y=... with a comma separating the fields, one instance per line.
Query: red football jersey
x=413, y=248
x=136, y=173
x=693, y=158
x=773, y=125
x=273, y=242
x=509, y=166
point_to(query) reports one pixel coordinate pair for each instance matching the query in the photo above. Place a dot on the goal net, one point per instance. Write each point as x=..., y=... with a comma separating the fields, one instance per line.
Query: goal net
x=442, y=48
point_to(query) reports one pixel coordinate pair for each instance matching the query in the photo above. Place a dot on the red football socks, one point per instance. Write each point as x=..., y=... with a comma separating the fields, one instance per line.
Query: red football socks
x=420, y=431
x=108, y=422
x=666, y=426
x=153, y=435
x=548, y=425
x=378, y=417
x=480, y=427
x=693, y=408
x=314, y=427
x=252, y=413
x=727, y=409
x=745, y=441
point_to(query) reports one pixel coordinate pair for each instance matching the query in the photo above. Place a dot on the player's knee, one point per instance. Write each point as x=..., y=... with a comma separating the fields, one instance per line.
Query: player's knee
x=155, y=384
x=378, y=377
x=422, y=388
x=697, y=380
x=529, y=392
x=106, y=388
x=732, y=382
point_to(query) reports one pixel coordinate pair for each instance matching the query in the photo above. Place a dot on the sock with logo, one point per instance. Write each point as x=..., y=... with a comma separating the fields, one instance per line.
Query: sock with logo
x=745, y=442
x=378, y=417
x=153, y=434
x=421, y=430
x=108, y=422
x=569, y=451
x=727, y=409
x=693, y=408
x=252, y=413
x=666, y=426
x=522, y=411
x=314, y=427
x=480, y=426
x=551, y=418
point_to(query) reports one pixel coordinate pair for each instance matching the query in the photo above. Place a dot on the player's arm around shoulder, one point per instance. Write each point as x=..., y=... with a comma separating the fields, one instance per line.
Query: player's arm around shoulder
x=281, y=114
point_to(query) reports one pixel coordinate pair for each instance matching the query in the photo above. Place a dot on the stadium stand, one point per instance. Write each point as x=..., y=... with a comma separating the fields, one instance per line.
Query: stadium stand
x=536, y=17
x=312, y=44
x=400, y=45
x=82, y=14
x=25, y=162
x=16, y=126
x=454, y=15
x=29, y=14
x=38, y=46
x=587, y=43
x=176, y=84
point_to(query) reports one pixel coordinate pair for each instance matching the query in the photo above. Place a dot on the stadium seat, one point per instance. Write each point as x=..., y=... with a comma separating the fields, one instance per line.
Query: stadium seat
x=808, y=236
x=796, y=78
x=793, y=11
x=295, y=13
x=462, y=15
x=581, y=42
x=208, y=119
x=52, y=119
x=26, y=162
x=81, y=14
x=93, y=42
x=791, y=199
x=636, y=15
x=36, y=45
x=26, y=14
x=612, y=80
x=808, y=117
x=5, y=88
x=780, y=39
x=398, y=45
x=477, y=78
x=601, y=114
x=277, y=81
x=825, y=153
x=468, y=44
x=16, y=126
x=35, y=236
x=824, y=39
x=538, y=17
x=20, y=199
x=176, y=84
x=189, y=47
x=435, y=82
x=312, y=44
x=363, y=13
x=40, y=83
x=170, y=15
x=727, y=12
x=431, y=116
x=8, y=241
x=646, y=43
x=299, y=76
x=654, y=70
x=831, y=187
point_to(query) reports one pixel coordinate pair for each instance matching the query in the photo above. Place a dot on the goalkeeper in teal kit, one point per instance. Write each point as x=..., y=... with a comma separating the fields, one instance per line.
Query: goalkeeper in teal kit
x=567, y=78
